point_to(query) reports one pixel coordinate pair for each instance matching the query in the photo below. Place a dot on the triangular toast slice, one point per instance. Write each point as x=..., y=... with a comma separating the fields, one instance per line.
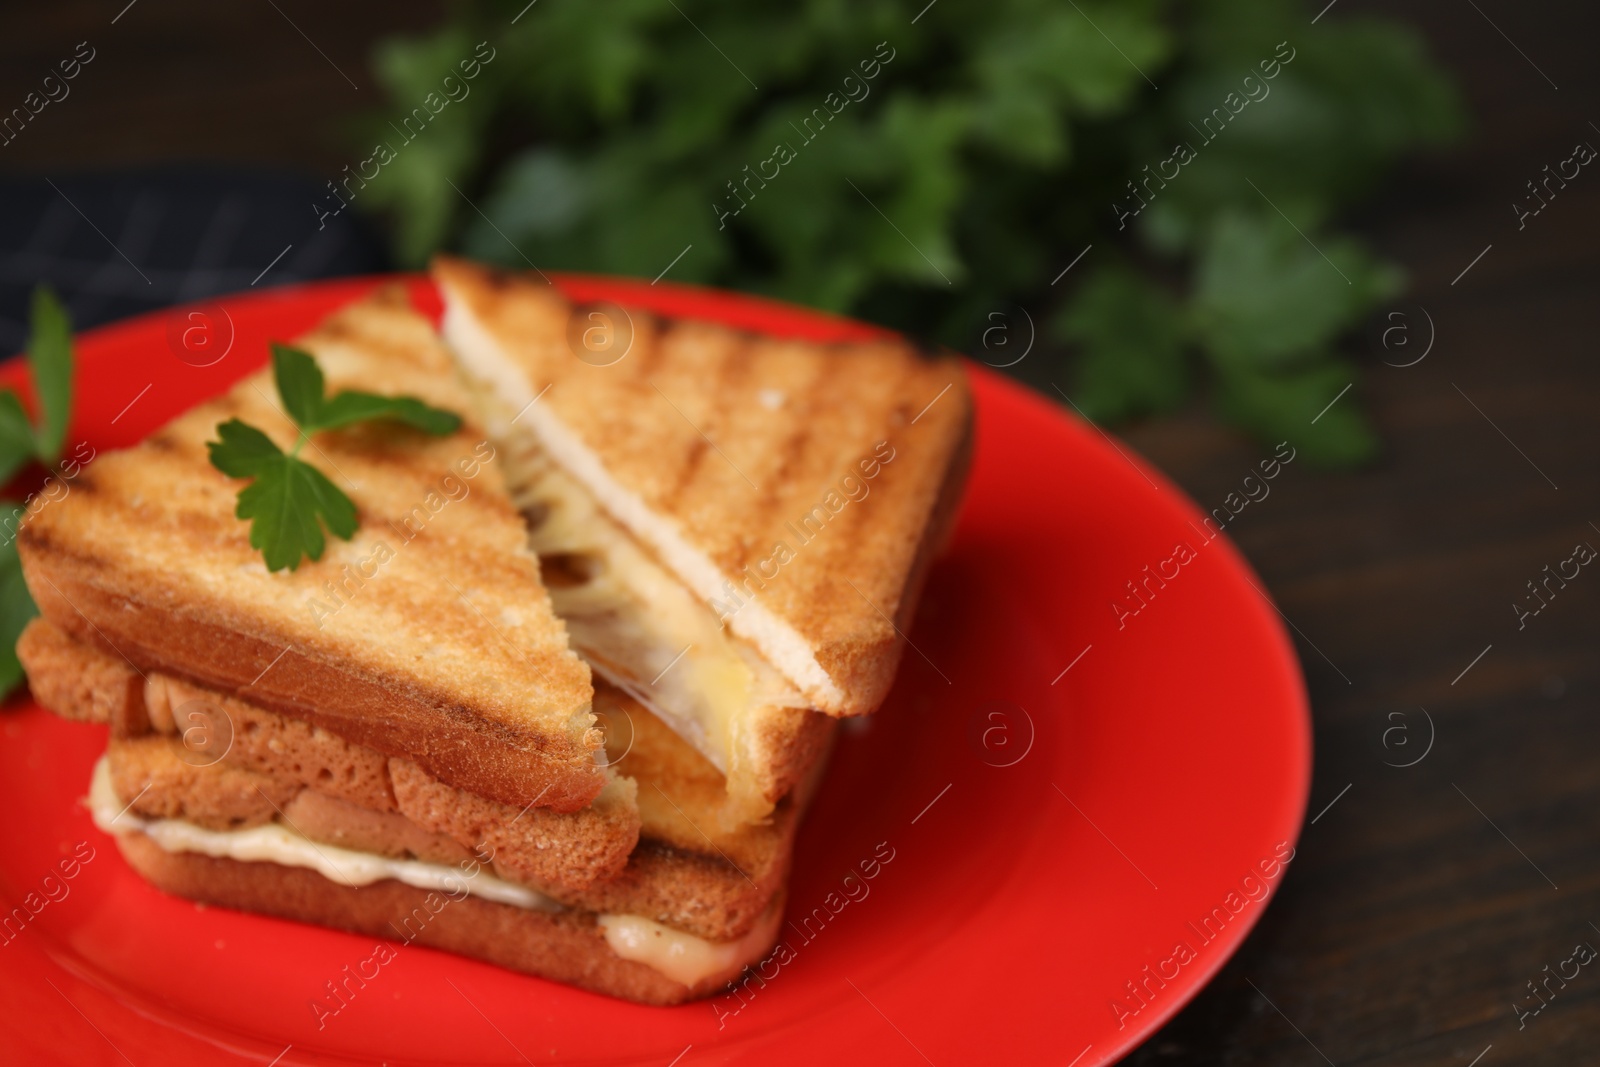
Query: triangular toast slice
x=429, y=636
x=798, y=489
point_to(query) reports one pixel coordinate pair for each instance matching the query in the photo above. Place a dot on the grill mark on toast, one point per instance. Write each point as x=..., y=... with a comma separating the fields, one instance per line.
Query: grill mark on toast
x=44, y=542
x=714, y=861
x=690, y=466
x=793, y=445
x=733, y=373
x=335, y=330
x=801, y=433
x=688, y=476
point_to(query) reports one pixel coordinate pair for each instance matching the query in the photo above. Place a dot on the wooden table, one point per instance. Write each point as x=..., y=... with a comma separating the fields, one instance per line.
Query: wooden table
x=1424, y=898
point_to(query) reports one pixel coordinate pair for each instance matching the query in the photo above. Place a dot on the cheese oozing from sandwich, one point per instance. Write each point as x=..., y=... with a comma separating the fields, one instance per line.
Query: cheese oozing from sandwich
x=636, y=624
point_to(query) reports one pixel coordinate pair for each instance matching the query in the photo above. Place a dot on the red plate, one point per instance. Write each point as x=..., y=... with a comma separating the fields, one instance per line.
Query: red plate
x=1073, y=818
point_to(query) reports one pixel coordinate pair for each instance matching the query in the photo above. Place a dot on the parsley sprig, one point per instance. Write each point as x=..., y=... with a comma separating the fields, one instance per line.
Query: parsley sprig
x=50, y=359
x=288, y=501
x=23, y=441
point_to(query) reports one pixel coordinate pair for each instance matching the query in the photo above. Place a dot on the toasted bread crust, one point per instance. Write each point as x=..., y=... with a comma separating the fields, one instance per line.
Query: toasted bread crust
x=532, y=846
x=80, y=682
x=445, y=652
x=563, y=946
x=728, y=455
x=784, y=745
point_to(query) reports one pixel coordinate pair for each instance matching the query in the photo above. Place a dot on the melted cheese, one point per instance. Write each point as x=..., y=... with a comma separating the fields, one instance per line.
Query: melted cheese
x=682, y=957
x=636, y=624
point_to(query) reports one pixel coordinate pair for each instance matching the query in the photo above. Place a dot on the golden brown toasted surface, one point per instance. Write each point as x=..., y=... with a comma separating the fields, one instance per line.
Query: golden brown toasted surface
x=79, y=682
x=816, y=478
x=781, y=745
x=428, y=636
x=564, y=946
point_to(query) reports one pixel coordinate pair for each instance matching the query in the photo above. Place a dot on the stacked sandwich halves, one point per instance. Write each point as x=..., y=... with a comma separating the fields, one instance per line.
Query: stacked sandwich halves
x=562, y=700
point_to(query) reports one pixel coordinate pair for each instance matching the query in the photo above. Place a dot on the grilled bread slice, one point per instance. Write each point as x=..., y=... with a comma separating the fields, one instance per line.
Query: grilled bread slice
x=798, y=488
x=427, y=637
x=575, y=947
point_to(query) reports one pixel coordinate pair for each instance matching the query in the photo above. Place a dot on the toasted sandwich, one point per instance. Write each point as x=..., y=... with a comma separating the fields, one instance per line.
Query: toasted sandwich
x=735, y=528
x=512, y=717
x=396, y=738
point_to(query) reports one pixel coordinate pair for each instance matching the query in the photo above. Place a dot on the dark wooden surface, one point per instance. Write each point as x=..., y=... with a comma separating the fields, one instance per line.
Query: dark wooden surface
x=1409, y=924
x=1426, y=897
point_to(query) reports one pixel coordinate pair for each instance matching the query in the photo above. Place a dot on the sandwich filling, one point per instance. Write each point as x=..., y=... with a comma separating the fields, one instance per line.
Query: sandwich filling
x=679, y=956
x=639, y=627
x=777, y=640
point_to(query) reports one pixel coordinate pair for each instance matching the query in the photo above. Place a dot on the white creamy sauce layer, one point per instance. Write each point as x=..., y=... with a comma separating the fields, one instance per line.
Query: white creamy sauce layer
x=682, y=957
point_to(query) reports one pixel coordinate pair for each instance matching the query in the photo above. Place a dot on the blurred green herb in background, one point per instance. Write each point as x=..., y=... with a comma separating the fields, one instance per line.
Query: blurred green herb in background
x=22, y=441
x=959, y=177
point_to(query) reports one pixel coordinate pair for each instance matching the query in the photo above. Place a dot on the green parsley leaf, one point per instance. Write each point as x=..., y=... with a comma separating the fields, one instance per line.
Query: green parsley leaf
x=284, y=505
x=50, y=356
x=300, y=384
x=1134, y=347
x=243, y=452
x=1305, y=406
x=352, y=406
x=289, y=502
x=1266, y=297
x=16, y=605
x=16, y=435
x=285, y=501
